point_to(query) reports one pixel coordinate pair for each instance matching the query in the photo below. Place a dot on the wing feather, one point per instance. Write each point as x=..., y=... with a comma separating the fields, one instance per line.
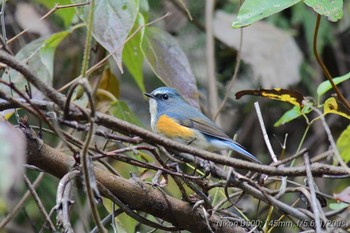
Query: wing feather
x=206, y=128
x=189, y=117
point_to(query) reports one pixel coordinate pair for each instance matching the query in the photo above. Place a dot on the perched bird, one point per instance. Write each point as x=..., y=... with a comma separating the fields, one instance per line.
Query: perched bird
x=174, y=118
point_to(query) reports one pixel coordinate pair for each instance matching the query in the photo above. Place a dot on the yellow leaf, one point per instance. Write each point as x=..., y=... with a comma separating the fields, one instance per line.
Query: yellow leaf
x=109, y=82
x=331, y=105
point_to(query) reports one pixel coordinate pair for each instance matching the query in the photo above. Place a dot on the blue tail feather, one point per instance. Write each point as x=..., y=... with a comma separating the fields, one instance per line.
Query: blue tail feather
x=238, y=148
x=222, y=144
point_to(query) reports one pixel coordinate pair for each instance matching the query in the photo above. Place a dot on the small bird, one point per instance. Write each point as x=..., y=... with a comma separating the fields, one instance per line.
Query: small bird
x=174, y=118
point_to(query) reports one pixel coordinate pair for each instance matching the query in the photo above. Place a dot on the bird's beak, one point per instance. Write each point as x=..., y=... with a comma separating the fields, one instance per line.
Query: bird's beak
x=149, y=95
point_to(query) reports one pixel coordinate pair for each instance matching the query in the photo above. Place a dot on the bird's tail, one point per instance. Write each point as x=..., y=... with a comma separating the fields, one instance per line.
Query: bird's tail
x=240, y=149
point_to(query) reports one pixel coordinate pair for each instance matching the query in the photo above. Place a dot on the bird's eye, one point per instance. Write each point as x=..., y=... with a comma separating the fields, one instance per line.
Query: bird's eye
x=165, y=97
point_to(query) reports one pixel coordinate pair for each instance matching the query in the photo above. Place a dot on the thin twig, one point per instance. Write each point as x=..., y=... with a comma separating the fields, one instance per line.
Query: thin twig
x=135, y=162
x=175, y=178
x=234, y=76
x=21, y=202
x=85, y=161
x=131, y=213
x=63, y=200
x=265, y=136
x=36, y=111
x=290, y=158
x=324, y=68
x=283, y=185
x=314, y=205
x=108, y=219
x=50, y=12
x=46, y=90
x=331, y=139
x=39, y=203
x=250, y=187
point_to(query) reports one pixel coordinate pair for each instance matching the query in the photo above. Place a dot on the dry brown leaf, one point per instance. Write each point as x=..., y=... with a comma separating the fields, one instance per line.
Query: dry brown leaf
x=272, y=53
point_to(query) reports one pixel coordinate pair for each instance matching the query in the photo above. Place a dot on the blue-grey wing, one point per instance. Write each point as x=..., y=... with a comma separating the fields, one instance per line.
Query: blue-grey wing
x=192, y=118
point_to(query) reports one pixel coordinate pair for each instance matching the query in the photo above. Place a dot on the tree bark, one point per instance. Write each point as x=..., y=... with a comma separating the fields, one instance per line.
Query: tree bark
x=137, y=196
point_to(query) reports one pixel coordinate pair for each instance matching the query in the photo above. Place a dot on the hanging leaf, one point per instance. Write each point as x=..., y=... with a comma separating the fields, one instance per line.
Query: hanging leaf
x=333, y=9
x=39, y=57
x=343, y=145
x=331, y=105
x=30, y=55
x=284, y=95
x=292, y=97
x=112, y=23
x=107, y=92
x=254, y=10
x=47, y=52
x=326, y=85
x=259, y=40
x=133, y=56
x=109, y=82
x=170, y=63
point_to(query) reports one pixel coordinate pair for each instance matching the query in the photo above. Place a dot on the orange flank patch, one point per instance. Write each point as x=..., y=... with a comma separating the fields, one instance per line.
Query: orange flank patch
x=171, y=129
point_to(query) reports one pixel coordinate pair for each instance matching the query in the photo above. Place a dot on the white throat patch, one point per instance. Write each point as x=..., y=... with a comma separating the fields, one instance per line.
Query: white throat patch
x=153, y=112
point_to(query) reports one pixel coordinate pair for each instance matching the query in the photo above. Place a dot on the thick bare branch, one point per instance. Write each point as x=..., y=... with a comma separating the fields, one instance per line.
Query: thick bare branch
x=154, y=202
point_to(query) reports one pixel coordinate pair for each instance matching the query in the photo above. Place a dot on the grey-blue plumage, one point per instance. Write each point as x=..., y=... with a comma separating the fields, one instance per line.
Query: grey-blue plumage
x=165, y=101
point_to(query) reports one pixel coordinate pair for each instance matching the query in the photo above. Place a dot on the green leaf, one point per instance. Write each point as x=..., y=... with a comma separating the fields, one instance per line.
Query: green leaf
x=66, y=14
x=169, y=63
x=338, y=206
x=332, y=105
x=326, y=85
x=333, y=9
x=47, y=52
x=29, y=55
x=121, y=110
x=254, y=10
x=343, y=144
x=112, y=23
x=38, y=55
x=132, y=54
x=291, y=115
